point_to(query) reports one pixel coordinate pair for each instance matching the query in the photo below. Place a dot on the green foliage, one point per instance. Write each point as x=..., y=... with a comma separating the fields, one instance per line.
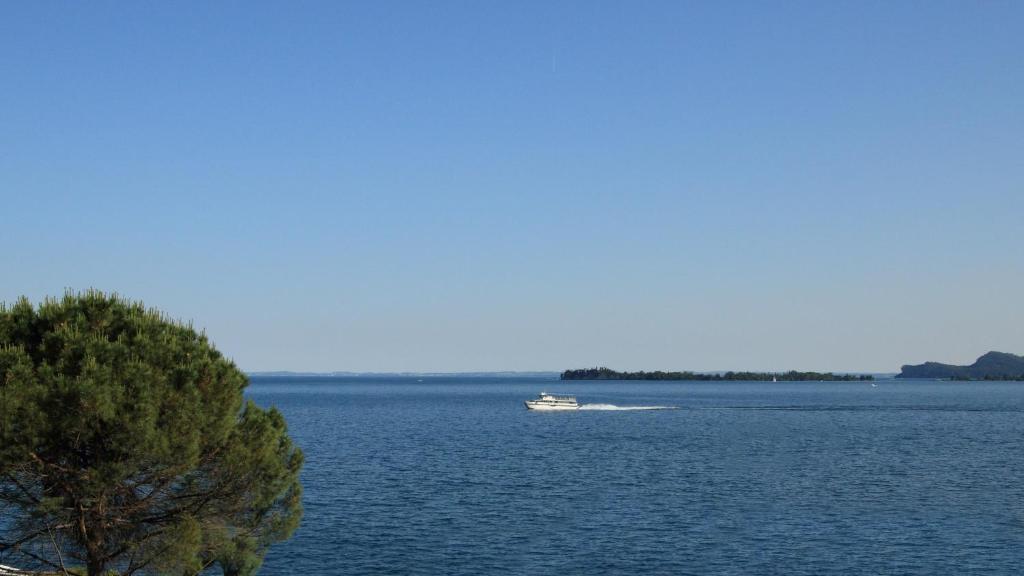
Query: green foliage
x=125, y=445
x=240, y=557
x=791, y=376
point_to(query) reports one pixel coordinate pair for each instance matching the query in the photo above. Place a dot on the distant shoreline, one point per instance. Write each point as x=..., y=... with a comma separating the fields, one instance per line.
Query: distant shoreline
x=506, y=374
x=790, y=376
x=716, y=376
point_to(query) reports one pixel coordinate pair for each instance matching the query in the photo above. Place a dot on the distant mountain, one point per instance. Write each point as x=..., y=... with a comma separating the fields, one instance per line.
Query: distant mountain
x=991, y=366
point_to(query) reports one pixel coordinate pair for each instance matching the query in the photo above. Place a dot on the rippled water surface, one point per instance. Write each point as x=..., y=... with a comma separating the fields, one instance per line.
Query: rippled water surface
x=455, y=476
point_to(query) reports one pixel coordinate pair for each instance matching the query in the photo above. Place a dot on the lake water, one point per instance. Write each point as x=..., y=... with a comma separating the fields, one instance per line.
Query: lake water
x=455, y=476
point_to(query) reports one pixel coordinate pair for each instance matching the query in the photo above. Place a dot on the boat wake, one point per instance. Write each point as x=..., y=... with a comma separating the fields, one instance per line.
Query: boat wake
x=614, y=407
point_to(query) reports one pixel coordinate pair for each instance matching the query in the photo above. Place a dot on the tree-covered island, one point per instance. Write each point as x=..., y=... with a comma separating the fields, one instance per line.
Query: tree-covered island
x=791, y=376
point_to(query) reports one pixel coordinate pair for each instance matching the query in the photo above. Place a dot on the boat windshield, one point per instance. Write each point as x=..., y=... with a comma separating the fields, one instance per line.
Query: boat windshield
x=546, y=396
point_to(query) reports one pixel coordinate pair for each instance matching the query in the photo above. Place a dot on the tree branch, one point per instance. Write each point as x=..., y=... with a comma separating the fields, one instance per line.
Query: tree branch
x=56, y=549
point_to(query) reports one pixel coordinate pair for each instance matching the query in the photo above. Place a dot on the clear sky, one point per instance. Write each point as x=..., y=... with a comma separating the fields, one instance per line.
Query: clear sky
x=527, y=185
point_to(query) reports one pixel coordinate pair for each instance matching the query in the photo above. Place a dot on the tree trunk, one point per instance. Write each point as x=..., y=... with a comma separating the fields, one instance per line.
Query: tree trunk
x=94, y=566
x=95, y=560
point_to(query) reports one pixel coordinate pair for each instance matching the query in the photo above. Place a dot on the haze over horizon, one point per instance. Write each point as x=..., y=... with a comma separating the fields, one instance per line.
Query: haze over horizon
x=465, y=186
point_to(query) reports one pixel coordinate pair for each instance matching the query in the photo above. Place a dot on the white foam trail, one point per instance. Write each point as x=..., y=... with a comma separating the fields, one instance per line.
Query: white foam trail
x=614, y=407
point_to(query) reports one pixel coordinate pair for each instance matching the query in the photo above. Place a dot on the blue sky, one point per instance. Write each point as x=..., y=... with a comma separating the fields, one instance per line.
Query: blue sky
x=527, y=185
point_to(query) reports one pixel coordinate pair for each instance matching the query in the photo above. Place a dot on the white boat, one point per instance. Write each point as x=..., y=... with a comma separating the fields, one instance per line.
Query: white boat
x=553, y=402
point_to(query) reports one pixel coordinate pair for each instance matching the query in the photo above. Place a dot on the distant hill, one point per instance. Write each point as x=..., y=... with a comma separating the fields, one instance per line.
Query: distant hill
x=991, y=366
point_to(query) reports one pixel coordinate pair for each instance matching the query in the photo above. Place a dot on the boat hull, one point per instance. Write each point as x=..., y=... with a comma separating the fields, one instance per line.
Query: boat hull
x=535, y=405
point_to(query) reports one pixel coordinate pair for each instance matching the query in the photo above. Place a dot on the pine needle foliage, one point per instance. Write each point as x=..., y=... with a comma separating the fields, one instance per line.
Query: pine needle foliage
x=125, y=445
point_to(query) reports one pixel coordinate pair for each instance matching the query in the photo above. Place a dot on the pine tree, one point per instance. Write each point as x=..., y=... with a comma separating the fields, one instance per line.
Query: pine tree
x=125, y=445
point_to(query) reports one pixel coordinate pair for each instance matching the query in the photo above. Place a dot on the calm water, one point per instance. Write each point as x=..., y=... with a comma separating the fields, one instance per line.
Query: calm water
x=454, y=476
